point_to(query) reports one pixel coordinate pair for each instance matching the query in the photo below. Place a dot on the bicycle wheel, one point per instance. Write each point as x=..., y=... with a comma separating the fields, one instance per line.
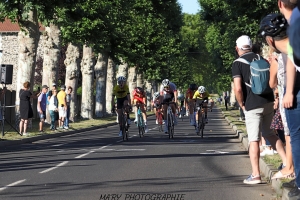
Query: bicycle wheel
x=169, y=125
x=124, y=127
x=160, y=122
x=172, y=127
x=140, y=125
x=202, y=125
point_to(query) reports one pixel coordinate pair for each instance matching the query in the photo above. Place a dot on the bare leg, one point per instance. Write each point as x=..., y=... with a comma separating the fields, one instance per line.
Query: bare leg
x=254, y=157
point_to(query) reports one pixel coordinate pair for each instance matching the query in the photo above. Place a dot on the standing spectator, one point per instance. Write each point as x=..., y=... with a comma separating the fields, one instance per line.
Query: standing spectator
x=62, y=106
x=49, y=93
x=291, y=99
x=41, y=107
x=68, y=100
x=258, y=109
x=53, y=109
x=26, y=111
x=226, y=99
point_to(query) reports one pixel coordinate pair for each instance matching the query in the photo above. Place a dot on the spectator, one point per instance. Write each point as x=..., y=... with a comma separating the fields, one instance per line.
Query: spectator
x=62, y=106
x=68, y=100
x=258, y=109
x=26, y=111
x=226, y=101
x=41, y=107
x=291, y=99
x=53, y=109
x=49, y=93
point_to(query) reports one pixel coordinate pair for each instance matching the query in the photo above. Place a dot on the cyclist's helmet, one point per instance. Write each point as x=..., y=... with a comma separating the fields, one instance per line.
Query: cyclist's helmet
x=139, y=90
x=156, y=95
x=121, y=79
x=166, y=82
x=272, y=25
x=201, y=89
x=193, y=86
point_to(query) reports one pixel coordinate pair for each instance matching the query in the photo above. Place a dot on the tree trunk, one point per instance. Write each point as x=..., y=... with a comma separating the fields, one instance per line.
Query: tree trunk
x=140, y=78
x=72, y=63
x=100, y=73
x=110, y=83
x=132, y=79
x=87, y=69
x=28, y=41
x=52, y=43
x=148, y=90
x=123, y=70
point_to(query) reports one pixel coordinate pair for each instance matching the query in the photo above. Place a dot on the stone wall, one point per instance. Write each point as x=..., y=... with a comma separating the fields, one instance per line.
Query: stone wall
x=10, y=49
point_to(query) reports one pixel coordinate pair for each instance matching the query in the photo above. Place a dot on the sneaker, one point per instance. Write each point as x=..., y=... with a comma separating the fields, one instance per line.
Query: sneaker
x=128, y=121
x=156, y=122
x=65, y=127
x=41, y=131
x=180, y=116
x=281, y=166
x=163, y=122
x=267, y=152
x=206, y=120
x=187, y=114
x=146, y=129
x=135, y=121
x=291, y=184
x=25, y=134
x=120, y=134
x=252, y=179
x=117, y=120
x=294, y=192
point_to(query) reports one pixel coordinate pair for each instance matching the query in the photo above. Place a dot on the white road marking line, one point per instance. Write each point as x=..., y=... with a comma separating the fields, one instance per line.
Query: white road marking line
x=105, y=146
x=130, y=150
x=12, y=184
x=57, y=145
x=52, y=168
x=85, y=154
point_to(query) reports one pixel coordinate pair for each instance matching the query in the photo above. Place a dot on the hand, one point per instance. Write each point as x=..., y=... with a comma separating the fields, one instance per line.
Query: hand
x=276, y=102
x=287, y=101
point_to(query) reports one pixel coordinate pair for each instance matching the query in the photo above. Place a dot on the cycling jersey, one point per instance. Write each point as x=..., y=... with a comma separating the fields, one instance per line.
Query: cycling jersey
x=120, y=92
x=172, y=88
x=197, y=95
x=138, y=96
x=189, y=94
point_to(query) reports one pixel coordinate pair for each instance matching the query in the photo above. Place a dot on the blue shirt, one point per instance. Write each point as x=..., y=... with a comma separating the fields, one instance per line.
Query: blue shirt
x=43, y=101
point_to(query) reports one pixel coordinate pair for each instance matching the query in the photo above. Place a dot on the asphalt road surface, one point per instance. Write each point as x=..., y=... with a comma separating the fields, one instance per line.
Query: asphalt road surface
x=99, y=165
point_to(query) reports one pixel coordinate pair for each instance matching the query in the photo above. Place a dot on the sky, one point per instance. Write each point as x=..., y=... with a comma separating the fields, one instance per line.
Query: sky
x=189, y=6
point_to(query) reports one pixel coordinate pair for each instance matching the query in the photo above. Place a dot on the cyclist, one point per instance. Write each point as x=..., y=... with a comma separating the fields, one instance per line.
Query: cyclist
x=169, y=92
x=121, y=92
x=212, y=104
x=189, y=102
x=202, y=95
x=139, y=98
x=156, y=103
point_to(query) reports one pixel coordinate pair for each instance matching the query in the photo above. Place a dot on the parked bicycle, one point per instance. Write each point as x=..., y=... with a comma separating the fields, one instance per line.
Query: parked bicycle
x=140, y=120
x=170, y=119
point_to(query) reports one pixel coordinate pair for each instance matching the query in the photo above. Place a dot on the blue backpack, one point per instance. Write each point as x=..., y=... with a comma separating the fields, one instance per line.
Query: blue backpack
x=260, y=75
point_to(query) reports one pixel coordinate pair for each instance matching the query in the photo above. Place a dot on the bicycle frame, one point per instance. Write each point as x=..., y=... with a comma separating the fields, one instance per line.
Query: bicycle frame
x=159, y=119
x=201, y=123
x=125, y=126
x=140, y=121
x=170, y=119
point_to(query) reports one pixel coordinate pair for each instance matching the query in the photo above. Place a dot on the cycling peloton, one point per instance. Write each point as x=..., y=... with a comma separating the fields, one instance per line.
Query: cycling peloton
x=139, y=98
x=169, y=92
x=189, y=102
x=156, y=103
x=201, y=95
x=121, y=92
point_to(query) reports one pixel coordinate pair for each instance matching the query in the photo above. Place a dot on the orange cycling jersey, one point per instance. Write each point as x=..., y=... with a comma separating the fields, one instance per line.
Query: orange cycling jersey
x=138, y=96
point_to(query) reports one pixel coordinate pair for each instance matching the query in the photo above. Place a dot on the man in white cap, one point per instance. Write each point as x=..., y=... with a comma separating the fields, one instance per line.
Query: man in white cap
x=258, y=109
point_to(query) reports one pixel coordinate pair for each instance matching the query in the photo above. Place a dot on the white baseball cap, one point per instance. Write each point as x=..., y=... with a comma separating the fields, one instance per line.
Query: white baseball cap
x=243, y=41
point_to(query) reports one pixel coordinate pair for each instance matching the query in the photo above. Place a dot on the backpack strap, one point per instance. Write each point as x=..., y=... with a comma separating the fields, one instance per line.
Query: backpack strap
x=245, y=62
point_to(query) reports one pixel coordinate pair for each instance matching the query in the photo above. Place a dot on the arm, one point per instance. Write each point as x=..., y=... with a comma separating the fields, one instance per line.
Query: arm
x=129, y=99
x=239, y=92
x=273, y=72
x=175, y=95
x=290, y=82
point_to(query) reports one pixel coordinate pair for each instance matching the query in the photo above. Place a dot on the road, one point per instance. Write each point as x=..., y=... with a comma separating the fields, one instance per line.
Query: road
x=99, y=165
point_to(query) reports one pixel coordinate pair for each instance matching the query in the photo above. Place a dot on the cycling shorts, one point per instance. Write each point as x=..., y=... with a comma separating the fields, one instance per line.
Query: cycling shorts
x=120, y=102
x=168, y=97
x=137, y=99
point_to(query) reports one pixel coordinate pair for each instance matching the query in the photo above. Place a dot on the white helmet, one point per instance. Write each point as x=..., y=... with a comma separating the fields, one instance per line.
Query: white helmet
x=156, y=95
x=201, y=89
x=121, y=79
x=166, y=82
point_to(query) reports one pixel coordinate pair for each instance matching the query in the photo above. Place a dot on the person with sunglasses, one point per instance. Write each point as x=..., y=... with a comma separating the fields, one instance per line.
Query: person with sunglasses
x=202, y=95
x=121, y=92
x=169, y=92
x=190, y=102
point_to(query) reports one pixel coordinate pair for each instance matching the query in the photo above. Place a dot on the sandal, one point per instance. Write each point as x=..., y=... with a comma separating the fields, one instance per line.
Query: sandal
x=280, y=175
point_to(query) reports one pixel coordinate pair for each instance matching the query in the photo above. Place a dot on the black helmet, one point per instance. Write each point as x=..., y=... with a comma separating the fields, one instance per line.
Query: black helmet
x=272, y=25
x=193, y=86
x=139, y=90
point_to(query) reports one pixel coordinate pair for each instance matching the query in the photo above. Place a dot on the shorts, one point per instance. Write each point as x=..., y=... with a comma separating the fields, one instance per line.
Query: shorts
x=168, y=97
x=199, y=101
x=62, y=112
x=42, y=116
x=258, y=121
x=120, y=102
